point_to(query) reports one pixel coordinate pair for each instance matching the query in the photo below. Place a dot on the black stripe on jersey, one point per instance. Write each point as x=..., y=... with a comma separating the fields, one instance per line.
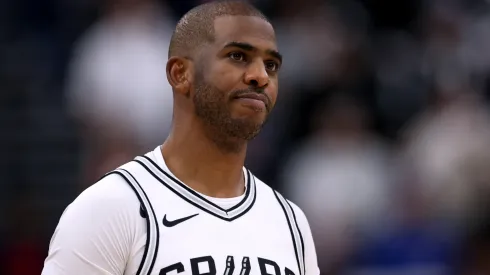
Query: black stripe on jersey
x=247, y=192
x=145, y=253
x=156, y=223
x=290, y=230
x=194, y=197
x=253, y=201
x=300, y=235
x=148, y=225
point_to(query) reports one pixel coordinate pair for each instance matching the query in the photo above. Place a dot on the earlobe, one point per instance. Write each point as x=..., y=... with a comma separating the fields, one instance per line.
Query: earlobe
x=178, y=74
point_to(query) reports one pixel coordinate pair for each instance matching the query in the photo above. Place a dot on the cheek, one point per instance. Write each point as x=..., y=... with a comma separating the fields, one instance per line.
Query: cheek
x=226, y=77
x=272, y=91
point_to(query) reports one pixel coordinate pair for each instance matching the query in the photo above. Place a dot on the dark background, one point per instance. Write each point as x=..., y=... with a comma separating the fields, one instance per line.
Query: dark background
x=380, y=134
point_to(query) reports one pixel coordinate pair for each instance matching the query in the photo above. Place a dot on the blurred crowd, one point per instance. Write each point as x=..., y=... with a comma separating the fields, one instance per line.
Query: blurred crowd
x=381, y=132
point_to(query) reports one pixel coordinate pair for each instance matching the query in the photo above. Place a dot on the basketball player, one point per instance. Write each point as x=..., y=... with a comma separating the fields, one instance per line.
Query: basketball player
x=189, y=206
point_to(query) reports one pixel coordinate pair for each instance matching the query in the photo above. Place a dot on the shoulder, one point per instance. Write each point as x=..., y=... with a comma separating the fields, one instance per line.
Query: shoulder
x=300, y=216
x=110, y=191
x=99, y=230
x=296, y=210
x=299, y=227
x=106, y=204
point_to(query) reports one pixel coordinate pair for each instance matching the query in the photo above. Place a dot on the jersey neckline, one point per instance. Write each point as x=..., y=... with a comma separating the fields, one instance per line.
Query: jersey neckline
x=156, y=166
x=160, y=161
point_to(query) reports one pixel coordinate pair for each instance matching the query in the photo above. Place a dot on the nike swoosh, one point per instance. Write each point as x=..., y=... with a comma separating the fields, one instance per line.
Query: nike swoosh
x=168, y=223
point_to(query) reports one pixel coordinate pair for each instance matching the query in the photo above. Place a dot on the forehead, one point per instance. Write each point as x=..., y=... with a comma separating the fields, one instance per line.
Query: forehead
x=250, y=29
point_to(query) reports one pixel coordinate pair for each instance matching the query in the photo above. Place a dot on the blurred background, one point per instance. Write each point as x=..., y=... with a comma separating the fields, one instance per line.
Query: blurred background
x=381, y=132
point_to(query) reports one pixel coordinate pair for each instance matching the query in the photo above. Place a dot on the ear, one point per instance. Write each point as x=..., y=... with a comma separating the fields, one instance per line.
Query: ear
x=179, y=74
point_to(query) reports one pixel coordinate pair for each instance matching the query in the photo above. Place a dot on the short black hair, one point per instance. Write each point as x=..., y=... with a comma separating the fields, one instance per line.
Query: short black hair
x=197, y=25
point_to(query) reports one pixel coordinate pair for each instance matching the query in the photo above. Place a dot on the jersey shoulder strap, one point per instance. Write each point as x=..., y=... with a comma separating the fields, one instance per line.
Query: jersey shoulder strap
x=297, y=238
x=129, y=173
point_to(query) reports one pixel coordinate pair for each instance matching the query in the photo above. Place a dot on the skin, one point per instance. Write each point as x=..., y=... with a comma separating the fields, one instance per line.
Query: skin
x=207, y=145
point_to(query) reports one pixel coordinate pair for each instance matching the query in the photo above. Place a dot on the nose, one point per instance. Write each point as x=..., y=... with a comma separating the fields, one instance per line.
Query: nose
x=256, y=75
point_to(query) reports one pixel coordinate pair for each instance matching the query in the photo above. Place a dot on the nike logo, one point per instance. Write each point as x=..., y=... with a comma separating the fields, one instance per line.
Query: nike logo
x=168, y=223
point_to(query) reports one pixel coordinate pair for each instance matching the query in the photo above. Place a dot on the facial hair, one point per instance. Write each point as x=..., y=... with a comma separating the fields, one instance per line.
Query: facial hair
x=211, y=106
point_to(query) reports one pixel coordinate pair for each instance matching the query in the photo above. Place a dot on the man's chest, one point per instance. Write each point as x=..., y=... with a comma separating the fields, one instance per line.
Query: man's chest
x=198, y=243
x=191, y=234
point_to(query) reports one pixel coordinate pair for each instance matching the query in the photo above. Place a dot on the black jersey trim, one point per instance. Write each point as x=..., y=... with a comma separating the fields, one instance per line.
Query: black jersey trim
x=194, y=200
x=197, y=195
x=247, y=192
x=251, y=204
x=157, y=244
x=298, y=261
x=146, y=205
x=300, y=235
x=145, y=252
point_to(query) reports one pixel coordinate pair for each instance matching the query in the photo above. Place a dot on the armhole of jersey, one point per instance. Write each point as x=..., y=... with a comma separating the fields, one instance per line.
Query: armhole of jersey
x=296, y=236
x=152, y=230
x=300, y=237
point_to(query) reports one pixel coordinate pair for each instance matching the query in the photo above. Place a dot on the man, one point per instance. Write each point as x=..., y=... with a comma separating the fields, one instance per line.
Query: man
x=189, y=206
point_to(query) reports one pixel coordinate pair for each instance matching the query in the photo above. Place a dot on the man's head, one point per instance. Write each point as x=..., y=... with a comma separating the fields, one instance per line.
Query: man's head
x=223, y=66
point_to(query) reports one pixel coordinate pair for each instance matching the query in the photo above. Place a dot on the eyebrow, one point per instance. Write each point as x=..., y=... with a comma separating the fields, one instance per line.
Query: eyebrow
x=247, y=47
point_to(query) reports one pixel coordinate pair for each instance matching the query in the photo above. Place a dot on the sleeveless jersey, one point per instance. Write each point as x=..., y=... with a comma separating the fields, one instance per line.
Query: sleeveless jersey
x=188, y=234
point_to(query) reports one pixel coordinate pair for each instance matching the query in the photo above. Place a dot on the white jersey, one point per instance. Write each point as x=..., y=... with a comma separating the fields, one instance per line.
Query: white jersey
x=140, y=219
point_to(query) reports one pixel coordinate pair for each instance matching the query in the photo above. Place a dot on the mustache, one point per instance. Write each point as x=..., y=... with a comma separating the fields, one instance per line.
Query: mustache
x=238, y=93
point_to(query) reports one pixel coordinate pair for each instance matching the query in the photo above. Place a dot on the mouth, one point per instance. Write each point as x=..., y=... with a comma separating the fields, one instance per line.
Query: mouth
x=256, y=102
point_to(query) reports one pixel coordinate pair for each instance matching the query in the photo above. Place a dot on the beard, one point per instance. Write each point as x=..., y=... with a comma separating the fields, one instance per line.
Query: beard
x=211, y=106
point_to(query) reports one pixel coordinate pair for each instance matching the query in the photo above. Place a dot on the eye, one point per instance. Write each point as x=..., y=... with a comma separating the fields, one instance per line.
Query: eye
x=237, y=56
x=272, y=66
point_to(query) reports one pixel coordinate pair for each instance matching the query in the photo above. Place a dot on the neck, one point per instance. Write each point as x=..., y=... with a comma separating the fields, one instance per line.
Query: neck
x=202, y=164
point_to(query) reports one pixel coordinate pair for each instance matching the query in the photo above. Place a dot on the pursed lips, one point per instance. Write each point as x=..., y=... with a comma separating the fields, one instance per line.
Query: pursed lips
x=256, y=96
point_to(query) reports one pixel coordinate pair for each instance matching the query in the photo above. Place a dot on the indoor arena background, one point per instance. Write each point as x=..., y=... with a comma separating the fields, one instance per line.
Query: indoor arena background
x=381, y=132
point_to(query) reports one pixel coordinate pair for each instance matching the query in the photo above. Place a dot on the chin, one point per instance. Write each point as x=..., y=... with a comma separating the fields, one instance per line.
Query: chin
x=251, y=118
x=255, y=114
